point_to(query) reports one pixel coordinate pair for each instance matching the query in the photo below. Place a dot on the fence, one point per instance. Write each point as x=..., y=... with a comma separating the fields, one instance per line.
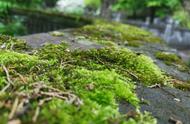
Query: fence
x=37, y=21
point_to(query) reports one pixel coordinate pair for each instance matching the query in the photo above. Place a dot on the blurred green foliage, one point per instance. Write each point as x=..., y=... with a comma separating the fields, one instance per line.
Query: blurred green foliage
x=93, y=3
x=28, y=3
x=160, y=5
x=152, y=8
x=12, y=25
x=13, y=28
x=183, y=16
x=160, y=8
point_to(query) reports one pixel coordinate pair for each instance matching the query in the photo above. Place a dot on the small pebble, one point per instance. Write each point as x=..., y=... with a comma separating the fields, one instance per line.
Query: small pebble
x=177, y=100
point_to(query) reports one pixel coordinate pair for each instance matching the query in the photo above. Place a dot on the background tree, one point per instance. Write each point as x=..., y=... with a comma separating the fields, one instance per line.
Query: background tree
x=106, y=8
x=152, y=8
x=186, y=5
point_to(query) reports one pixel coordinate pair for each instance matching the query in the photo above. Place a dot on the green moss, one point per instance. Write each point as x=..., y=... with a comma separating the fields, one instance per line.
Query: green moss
x=99, y=99
x=65, y=113
x=124, y=62
x=10, y=57
x=106, y=43
x=96, y=77
x=54, y=52
x=133, y=44
x=182, y=85
x=20, y=66
x=57, y=33
x=116, y=32
x=20, y=61
x=107, y=86
x=172, y=59
x=10, y=43
x=169, y=57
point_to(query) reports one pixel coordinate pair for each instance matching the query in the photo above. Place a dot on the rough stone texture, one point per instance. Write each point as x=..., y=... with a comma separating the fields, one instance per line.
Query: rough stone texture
x=38, y=40
x=163, y=103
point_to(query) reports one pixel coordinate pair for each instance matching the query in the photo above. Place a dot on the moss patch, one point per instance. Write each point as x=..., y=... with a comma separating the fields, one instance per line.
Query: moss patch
x=181, y=85
x=10, y=57
x=57, y=33
x=103, y=87
x=19, y=66
x=10, y=43
x=118, y=33
x=123, y=61
x=172, y=59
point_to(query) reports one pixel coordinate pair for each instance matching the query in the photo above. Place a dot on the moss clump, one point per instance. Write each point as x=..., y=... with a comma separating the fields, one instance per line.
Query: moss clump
x=57, y=33
x=99, y=99
x=58, y=52
x=106, y=86
x=116, y=32
x=99, y=91
x=10, y=43
x=123, y=61
x=172, y=59
x=10, y=57
x=90, y=113
x=20, y=66
x=20, y=61
x=168, y=57
x=181, y=85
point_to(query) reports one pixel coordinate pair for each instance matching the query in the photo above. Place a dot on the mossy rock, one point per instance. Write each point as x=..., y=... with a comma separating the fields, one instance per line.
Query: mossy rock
x=96, y=87
x=65, y=85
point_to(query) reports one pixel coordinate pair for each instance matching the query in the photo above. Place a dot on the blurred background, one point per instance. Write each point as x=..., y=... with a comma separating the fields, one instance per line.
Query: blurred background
x=158, y=12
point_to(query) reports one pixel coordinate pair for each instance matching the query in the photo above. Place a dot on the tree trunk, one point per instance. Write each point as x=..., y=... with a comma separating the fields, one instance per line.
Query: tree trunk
x=106, y=8
x=186, y=5
x=152, y=14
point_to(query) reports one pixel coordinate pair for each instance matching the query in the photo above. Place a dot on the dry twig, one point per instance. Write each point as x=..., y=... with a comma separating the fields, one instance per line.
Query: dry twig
x=35, y=117
x=7, y=74
x=14, y=108
x=8, y=79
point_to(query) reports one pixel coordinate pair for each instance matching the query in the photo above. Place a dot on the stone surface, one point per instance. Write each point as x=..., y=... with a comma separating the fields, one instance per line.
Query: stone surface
x=163, y=103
